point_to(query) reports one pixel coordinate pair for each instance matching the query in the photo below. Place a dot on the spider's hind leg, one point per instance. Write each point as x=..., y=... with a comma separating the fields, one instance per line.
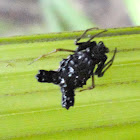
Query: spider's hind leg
x=92, y=85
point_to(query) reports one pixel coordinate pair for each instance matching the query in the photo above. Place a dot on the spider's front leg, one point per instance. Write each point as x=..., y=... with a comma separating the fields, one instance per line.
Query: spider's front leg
x=54, y=51
x=100, y=66
x=79, y=38
x=99, y=71
x=89, y=43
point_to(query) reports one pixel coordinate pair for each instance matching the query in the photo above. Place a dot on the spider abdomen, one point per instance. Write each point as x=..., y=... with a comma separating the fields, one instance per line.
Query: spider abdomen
x=76, y=70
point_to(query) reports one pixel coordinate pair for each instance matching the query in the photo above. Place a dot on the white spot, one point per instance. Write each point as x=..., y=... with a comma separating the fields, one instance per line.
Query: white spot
x=86, y=59
x=70, y=75
x=62, y=81
x=72, y=62
x=63, y=69
x=71, y=70
x=80, y=57
x=64, y=96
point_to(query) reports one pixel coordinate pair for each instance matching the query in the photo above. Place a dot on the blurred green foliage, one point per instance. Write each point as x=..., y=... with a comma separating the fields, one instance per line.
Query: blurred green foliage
x=60, y=16
x=55, y=16
x=134, y=10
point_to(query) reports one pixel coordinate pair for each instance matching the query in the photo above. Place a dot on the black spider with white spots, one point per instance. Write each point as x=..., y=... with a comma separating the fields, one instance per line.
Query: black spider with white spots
x=78, y=68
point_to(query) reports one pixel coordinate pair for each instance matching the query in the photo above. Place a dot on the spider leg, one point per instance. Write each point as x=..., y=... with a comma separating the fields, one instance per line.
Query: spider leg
x=96, y=35
x=88, y=44
x=106, y=66
x=79, y=38
x=52, y=52
x=92, y=85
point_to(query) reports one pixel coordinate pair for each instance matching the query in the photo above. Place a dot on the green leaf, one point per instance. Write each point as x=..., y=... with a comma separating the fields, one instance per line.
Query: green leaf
x=32, y=110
